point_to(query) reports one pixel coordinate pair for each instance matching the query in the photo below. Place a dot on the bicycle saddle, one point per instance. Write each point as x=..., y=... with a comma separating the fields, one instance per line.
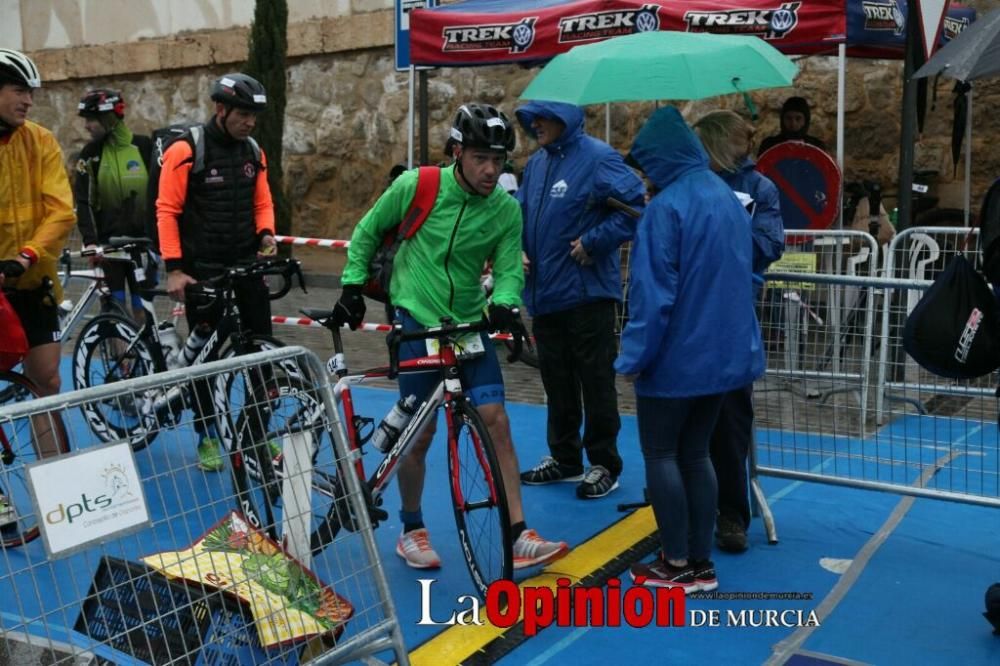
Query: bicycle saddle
x=317, y=314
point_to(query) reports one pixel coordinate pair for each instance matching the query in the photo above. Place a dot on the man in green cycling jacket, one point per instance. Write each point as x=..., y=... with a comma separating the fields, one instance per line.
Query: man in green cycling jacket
x=436, y=274
x=112, y=180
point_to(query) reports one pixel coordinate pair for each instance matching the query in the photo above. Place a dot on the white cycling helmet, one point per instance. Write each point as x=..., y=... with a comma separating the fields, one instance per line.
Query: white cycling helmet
x=15, y=67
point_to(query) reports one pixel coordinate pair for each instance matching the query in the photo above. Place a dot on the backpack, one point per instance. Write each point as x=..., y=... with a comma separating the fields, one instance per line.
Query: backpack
x=163, y=138
x=954, y=330
x=380, y=266
x=989, y=233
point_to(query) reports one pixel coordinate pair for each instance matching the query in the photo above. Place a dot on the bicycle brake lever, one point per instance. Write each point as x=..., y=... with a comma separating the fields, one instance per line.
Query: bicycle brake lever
x=392, y=340
x=301, y=276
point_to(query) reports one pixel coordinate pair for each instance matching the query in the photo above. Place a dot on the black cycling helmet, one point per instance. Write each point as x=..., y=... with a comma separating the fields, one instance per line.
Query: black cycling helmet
x=241, y=91
x=483, y=126
x=17, y=68
x=101, y=100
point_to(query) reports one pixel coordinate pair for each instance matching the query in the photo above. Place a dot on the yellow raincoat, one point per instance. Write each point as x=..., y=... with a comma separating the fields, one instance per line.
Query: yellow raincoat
x=36, y=203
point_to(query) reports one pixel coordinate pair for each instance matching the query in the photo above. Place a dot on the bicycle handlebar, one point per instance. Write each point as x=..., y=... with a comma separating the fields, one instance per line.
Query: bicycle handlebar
x=337, y=364
x=286, y=268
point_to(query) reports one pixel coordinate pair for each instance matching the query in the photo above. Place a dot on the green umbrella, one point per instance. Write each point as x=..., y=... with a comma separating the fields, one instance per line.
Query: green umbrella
x=661, y=65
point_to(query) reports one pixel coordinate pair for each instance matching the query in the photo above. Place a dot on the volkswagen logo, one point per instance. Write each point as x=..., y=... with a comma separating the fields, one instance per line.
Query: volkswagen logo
x=523, y=35
x=646, y=21
x=782, y=20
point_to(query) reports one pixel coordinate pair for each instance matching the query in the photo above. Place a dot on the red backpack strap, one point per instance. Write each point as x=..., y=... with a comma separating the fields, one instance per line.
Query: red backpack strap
x=428, y=184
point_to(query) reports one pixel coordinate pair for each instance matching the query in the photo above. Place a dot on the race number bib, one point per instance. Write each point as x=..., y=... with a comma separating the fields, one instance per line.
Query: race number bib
x=469, y=345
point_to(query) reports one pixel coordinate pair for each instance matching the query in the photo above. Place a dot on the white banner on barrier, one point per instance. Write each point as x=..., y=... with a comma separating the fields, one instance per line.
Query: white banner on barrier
x=87, y=497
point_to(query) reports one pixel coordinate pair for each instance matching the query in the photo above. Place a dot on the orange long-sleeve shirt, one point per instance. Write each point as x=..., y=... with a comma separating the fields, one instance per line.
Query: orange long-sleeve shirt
x=172, y=197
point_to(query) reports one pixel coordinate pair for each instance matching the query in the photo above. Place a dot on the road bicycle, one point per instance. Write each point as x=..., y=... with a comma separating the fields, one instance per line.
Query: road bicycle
x=112, y=348
x=23, y=440
x=479, y=502
x=125, y=250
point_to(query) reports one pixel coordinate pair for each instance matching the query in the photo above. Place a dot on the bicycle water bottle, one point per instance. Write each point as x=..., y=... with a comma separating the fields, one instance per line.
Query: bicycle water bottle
x=196, y=339
x=170, y=342
x=388, y=430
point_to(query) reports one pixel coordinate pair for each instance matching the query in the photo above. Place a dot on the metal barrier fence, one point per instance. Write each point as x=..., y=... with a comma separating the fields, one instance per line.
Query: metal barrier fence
x=145, y=558
x=919, y=254
x=936, y=438
x=810, y=328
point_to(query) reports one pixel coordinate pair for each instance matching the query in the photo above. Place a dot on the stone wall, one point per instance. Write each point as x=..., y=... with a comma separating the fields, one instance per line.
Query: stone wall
x=347, y=109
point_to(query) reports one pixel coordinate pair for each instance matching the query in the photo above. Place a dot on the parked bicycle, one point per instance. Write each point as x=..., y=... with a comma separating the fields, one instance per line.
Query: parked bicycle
x=111, y=348
x=23, y=441
x=479, y=502
x=124, y=249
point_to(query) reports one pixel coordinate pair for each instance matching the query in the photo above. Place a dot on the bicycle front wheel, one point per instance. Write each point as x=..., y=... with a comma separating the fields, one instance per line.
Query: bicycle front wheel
x=109, y=350
x=478, y=498
x=23, y=441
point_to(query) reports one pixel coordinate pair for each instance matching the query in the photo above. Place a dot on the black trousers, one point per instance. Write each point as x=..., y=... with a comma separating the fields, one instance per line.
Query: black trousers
x=576, y=355
x=255, y=315
x=729, y=448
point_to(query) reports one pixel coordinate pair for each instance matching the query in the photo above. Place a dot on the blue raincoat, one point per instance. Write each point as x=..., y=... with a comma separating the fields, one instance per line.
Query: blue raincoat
x=767, y=227
x=562, y=196
x=692, y=329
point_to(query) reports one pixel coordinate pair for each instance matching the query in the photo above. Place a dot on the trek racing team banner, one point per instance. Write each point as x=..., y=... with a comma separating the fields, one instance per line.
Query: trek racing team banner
x=491, y=31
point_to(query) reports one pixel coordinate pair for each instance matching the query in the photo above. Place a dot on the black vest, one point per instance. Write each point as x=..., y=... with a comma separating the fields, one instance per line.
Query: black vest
x=217, y=225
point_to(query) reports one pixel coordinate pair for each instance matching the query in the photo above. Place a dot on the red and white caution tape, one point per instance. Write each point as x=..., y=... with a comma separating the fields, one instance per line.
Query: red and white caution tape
x=306, y=321
x=313, y=242
x=366, y=326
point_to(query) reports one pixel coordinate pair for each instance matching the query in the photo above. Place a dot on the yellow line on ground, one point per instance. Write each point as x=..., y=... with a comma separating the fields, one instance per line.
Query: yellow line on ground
x=456, y=644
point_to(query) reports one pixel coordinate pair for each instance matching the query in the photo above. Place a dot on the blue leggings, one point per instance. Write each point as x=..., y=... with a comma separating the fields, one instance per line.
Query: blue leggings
x=674, y=434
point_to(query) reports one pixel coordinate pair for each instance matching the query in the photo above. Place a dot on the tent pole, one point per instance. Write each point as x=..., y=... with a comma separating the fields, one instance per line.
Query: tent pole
x=409, y=122
x=968, y=159
x=607, y=123
x=424, y=119
x=841, y=101
x=841, y=104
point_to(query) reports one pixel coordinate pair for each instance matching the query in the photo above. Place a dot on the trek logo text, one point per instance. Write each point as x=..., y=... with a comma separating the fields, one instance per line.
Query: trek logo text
x=765, y=23
x=601, y=25
x=510, y=37
x=884, y=16
x=953, y=26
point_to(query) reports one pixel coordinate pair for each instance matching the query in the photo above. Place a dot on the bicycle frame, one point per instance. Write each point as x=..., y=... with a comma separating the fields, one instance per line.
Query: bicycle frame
x=446, y=393
x=97, y=286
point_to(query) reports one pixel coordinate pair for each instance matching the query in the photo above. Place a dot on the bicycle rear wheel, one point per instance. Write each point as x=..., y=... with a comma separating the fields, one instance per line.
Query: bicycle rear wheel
x=478, y=498
x=23, y=441
x=109, y=350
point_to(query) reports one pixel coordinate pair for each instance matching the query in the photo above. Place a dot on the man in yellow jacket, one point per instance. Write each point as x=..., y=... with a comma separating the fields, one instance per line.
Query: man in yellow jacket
x=36, y=216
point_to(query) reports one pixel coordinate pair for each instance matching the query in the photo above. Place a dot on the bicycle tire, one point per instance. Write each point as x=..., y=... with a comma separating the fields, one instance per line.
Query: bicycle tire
x=18, y=447
x=478, y=498
x=295, y=409
x=95, y=356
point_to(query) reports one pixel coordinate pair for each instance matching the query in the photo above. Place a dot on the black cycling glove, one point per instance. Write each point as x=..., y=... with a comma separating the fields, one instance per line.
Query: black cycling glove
x=502, y=318
x=11, y=267
x=350, y=309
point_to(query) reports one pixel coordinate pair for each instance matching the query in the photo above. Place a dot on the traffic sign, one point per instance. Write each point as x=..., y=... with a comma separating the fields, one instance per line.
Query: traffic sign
x=808, y=183
x=403, y=9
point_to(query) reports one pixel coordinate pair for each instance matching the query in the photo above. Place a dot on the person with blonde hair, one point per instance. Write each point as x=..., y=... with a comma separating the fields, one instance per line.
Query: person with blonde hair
x=727, y=138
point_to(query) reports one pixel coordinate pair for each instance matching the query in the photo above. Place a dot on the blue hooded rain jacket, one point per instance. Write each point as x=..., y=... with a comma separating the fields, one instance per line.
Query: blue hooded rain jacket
x=692, y=330
x=562, y=196
x=767, y=228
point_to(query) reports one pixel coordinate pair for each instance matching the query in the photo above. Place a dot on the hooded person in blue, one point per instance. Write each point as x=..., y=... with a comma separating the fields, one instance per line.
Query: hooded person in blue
x=572, y=289
x=726, y=138
x=692, y=336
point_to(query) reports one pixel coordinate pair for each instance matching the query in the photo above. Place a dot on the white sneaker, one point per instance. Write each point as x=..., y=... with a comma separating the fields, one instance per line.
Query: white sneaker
x=415, y=547
x=531, y=549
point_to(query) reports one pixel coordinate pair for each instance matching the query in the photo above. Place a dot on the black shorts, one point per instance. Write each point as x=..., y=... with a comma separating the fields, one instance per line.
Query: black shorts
x=39, y=314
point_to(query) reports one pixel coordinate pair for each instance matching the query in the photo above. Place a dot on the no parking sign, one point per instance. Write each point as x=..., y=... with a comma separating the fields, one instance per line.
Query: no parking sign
x=808, y=182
